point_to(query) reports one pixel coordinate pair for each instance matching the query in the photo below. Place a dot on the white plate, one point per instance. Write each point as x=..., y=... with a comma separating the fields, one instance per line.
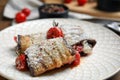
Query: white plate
x=104, y=62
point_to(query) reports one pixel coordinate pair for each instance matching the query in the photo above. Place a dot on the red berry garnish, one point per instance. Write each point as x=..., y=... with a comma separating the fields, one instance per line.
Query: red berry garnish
x=20, y=17
x=54, y=32
x=76, y=62
x=78, y=48
x=67, y=1
x=21, y=63
x=26, y=11
x=81, y=2
x=15, y=39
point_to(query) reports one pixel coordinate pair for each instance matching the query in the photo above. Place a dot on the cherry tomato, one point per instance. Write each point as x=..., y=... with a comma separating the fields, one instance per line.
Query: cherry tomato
x=54, y=32
x=21, y=63
x=81, y=2
x=20, y=17
x=67, y=1
x=76, y=62
x=15, y=39
x=26, y=11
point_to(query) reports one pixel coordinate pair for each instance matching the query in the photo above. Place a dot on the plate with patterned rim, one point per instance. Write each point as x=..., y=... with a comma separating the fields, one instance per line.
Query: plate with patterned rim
x=101, y=64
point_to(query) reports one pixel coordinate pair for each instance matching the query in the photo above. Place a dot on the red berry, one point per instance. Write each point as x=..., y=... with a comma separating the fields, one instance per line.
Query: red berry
x=67, y=1
x=79, y=48
x=81, y=2
x=21, y=63
x=15, y=39
x=54, y=32
x=20, y=17
x=76, y=62
x=26, y=11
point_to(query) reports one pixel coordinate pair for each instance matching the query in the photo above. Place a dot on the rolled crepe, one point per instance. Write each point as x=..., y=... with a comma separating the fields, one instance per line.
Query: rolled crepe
x=24, y=41
x=47, y=55
x=72, y=35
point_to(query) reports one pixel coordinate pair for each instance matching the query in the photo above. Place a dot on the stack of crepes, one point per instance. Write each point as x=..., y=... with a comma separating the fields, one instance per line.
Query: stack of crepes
x=47, y=54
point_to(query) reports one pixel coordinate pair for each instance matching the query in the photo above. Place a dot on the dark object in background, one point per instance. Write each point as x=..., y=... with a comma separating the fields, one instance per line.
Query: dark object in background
x=53, y=11
x=109, y=5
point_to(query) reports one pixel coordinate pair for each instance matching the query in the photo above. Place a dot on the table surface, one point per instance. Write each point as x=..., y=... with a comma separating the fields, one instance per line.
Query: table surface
x=4, y=23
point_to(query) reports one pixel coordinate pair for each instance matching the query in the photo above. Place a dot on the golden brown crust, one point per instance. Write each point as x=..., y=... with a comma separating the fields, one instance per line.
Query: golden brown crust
x=48, y=55
x=25, y=42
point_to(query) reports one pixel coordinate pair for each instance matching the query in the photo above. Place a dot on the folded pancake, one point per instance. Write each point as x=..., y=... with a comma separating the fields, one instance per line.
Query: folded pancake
x=85, y=46
x=24, y=41
x=75, y=36
x=72, y=34
x=47, y=55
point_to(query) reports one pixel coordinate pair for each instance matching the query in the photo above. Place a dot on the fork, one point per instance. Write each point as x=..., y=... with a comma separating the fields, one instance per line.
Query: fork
x=115, y=26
